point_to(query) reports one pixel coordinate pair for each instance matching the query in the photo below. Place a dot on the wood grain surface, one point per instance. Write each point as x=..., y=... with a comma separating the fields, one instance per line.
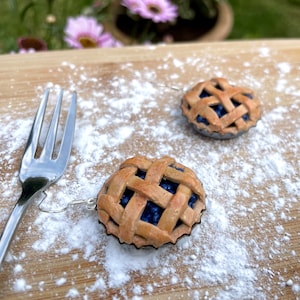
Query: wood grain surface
x=270, y=67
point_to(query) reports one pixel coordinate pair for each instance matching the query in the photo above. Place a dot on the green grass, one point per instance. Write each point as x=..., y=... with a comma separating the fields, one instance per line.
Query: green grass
x=253, y=19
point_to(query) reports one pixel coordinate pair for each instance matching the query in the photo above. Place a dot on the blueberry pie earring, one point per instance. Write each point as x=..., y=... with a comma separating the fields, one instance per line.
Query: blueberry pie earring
x=151, y=202
x=219, y=110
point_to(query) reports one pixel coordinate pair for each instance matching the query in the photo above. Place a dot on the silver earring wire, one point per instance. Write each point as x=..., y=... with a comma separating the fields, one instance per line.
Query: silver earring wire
x=90, y=204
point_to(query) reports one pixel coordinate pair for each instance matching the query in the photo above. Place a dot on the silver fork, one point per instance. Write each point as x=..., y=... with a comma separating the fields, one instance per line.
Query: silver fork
x=38, y=173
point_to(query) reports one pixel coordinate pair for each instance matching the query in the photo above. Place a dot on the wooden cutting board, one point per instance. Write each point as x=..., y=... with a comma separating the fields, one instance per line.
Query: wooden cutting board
x=247, y=245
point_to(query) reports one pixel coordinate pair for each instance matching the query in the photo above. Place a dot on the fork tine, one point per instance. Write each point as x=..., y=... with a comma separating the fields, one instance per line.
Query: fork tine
x=36, y=174
x=51, y=134
x=35, y=131
x=66, y=143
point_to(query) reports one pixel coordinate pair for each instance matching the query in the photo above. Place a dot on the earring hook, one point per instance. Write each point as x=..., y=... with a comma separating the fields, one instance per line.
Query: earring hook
x=90, y=205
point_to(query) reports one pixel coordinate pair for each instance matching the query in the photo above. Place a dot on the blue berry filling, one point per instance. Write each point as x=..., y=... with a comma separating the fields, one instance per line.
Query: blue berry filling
x=177, y=168
x=141, y=174
x=192, y=200
x=236, y=104
x=152, y=212
x=200, y=119
x=169, y=186
x=219, y=109
x=129, y=193
x=126, y=197
x=245, y=117
x=248, y=95
x=204, y=94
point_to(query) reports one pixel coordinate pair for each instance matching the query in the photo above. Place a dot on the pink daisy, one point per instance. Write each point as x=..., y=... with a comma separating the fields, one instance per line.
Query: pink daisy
x=22, y=51
x=133, y=5
x=156, y=10
x=85, y=32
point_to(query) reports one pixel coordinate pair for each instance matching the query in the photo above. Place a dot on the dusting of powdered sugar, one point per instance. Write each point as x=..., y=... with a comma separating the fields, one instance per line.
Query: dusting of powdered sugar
x=138, y=113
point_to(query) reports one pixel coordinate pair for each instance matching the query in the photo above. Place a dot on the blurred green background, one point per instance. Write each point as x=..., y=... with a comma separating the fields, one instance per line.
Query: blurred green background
x=253, y=19
x=265, y=19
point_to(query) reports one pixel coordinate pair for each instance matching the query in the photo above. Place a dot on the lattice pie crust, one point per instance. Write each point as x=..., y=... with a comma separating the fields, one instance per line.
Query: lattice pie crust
x=219, y=110
x=151, y=202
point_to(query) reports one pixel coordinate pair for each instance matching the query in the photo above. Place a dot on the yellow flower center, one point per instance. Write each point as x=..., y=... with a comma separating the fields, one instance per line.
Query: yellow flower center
x=87, y=42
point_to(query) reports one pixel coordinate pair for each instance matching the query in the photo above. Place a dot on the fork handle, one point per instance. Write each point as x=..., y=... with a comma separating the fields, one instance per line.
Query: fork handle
x=29, y=192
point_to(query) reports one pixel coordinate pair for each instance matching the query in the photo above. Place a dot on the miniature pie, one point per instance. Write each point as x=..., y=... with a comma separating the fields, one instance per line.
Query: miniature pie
x=151, y=202
x=219, y=110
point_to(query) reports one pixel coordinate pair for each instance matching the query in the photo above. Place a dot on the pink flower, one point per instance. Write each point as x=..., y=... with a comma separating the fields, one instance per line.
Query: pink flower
x=85, y=32
x=133, y=5
x=23, y=51
x=30, y=50
x=156, y=10
x=108, y=41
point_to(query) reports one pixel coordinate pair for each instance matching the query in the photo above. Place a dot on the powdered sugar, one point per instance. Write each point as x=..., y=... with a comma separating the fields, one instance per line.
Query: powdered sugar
x=252, y=184
x=20, y=285
x=60, y=281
